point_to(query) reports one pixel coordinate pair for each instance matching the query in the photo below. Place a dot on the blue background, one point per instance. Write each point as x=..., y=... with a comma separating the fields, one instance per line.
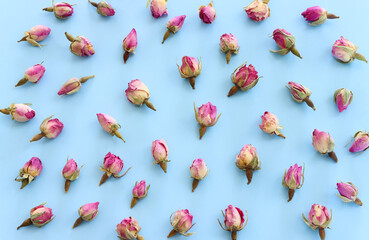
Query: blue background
x=270, y=216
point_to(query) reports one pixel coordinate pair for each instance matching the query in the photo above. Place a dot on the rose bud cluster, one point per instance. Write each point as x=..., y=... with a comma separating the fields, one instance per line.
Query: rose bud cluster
x=244, y=78
x=40, y=216
x=317, y=15
x=248, y=161
x=293, y=179
x=129, y=44
x=318, y=218
x=73, y=85
x=103, y=8
x=19, y=112
x=80, y=46
x=191, y=68
x=87, y=213
x=159, y=151
x=199, y=170
x=258, y=10
x=286, y=41
x=270, y=124
x=61, y=10
x=234, y=220
x=29, y=172
x=361, y=142
x=207, y=13
x=345, y=51
x=300, y=94
x=324, y=144
x=113, y=165
x=139, y=192
x=229, y=45
x=50, y=128
x=110, y=125
x=206, y=116
x=174, y=25
x=36, y=34
x=129, y=229
x=158, y=8
x=348, y=193
x=343, y=98
x=32, y=74
x=137, y=93
x=181, y=223
x=70, y=173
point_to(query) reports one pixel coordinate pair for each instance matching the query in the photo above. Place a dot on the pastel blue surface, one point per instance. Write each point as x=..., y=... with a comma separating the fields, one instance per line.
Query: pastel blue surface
x=270, y=216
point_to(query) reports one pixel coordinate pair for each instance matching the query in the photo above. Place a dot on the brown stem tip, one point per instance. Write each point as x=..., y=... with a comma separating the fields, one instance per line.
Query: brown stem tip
x=358, y=202
x=192, y=82
x=77, y=222
x=37, y=137
x=249, y=174
x=163, y=166
x=291, y=192
x=228, y=56
x=195, y=183
x=166, y=35
x=66, y=185
x=134, y=202
x=172, y=233
x=233, y=90
x=322, y=233
x=234, y=235
x=333, y=156
x=202, y=131
x=125, y=56
x=26, y=222
x=103, y=178
x=309, y=103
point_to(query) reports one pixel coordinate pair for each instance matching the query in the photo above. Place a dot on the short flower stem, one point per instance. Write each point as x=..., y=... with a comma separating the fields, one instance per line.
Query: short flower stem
x=149, y=104
x=93, y=3
x=291, y=192
x=26, y=222
x=295, y=52
x=332, y=16
x=66, y=185
x=322, y=233
x=202, y=131
x=70, y=37
x=234, y=235
x=21, y=82
x=134, y=202
x=103, y=178
x=358, y=202
x=309, y=103
x=192, y=82
x=77, y=222
x=233, y=90
x=333, y=156
x=24, y=183
x=125, y=56
x=37, y=137
x=228, y=56
x=172, y=233
x=23, y=39
x=166, y=35
x=249, y=174
x=195, y=183
x=163, y=166
x=84, y=79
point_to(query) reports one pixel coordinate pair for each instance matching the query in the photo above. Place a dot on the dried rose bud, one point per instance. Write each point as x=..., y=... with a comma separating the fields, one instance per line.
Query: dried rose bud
x=229, y=44
x=191, y=68
x=158, y=7
x=109, y=124
x=159, y=151
x=113, y=165
x=32, y=74
x=36, y=34
x=286, y=41
x=29, y=172
x=234, y=220
x=317, y=15
x=258, y=10
x=137, y=93
x=139, y=192
x=318, y=217
x=361, y=142
x=87, y=213
x=70, y=173
x=345, y=51
x=343, y=97
x=293, y=179
x=73, y=85
x=207, y=13
x=61, y=10
x=324, y=144
x=129, y=44
x=206, y=116
x=300, y=93
x=348, y=193
x=128, y=229
x=19, y=112
x=244, y=78
x=174, y=25
x=248, y=161
x=80, y=46
x=103, y=8
x=270, y=124
x=40, y=216
x=50, y=128
x=181, y=222
x=199, y=170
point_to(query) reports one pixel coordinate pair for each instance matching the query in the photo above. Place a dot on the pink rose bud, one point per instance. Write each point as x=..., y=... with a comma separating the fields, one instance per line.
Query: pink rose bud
x=199, y=170
x=293, y=179
x=318, y=217
x=61, y=10
x=109, y=125
x=348, y=193
x=324, y=144
x=207, y=13
x=258, y=10
x=361, y=142
x=286, y=41
x=158, y=7
x=229, y=44
x=139, y=192
x=317, y=15
x=73, y=85
x=29, y=172
x=113, y=165
x=36, y=34
x=103, y=8
x=87, y=213
x=191, y=68
x=137, y=93
x=300, y=94
x=343, y=97
x=40, y=216
x=248, y=161
x=206, y=116
x=174, y=25
x=159, y=150
x=129, y=44
x=33, y=75
x=70, y=173
x=345, y=51
x=244, y=78
x=128, y=229
x=80, y=46
x=181, y=222
x=234, y=220
x=50, y=128
x=270, y=124
x=19, y=112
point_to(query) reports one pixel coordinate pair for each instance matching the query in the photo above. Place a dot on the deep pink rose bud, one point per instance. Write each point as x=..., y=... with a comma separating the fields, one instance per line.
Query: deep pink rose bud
x=80, y=46
x=137, y=93
x=109, y=124
x=50, y=128
x=61, y=10
x=191, y=68
x=181, y=223
x=128, y=229
x=300, y=94
x=129, y=44
x=317, y=15
x=36, y=34
x=258, y=10
x=248, y=161
x=345, y=51
x=40, y=216
x=29, y=172
x=286, y=41
x=70, y=173
x=113, y=165
x=318, y=217
x=348, y=193
x=206, y=116
x=87, y=213
x=343, y=97
x=159, y=151
x=174, y=25
x=73, y=85
x=234, y=220
x=19, y=112
x=229, y=44
x=244, y=78
x=158, y=7
x=32, y=74
x=270, y=124
x=324, y=144
x=199, y=170
x=361, y=142
x=103, y=8
x=293, y=179
x=139, y=192
x=207, y=13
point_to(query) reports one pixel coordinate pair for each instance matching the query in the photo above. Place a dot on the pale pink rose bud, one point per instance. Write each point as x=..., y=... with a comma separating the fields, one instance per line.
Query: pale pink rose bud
x=270, y=124
x=181, y=223
x=345, y=51
x=36, y=34
x=159, y=151
x=317, y=15
x=50, y=128
x=361, y=142
x=129, y=44
x=229, y=44
x=110, y=125
x=29, y=172
x=343, y=97
x=234, y=220
x=70, y=173
x=158, y=7
x=129, y=229
x=318, y=218
x=113, y=165
x=348, y=193
x=199, y=170
x=139, y=192
x=174, y=25
x=19, y=112
x=324, y=144
x=286, y=41
x=103, y=8
x=244, y=78
x=207, y=13
x=248, y=161
x=300, y=94
x=61, y=10
x=80, y=46
x=258, y=10
x=293, y=179
x=87, y=213
x=32, y=74
x=191, y=68
x=40, y=216
x=137, y=93
x=206, y=116
x=73, y=85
